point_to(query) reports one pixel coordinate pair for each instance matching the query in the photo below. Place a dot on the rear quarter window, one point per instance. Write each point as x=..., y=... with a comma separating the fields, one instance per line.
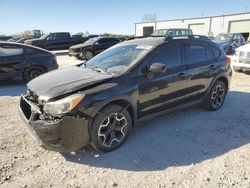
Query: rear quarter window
x=216, y=52
x=194, y=53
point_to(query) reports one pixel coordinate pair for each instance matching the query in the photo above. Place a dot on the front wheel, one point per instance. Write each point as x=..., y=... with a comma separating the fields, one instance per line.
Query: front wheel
x=87, y=54
x=110, y=128
x=216, y=97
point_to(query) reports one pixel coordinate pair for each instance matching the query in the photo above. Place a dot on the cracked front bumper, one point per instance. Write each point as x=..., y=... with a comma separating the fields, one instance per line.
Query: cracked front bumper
x=64, y=135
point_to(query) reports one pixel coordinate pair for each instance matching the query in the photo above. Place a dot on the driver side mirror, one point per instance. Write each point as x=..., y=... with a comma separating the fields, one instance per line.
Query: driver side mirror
x=157, y=68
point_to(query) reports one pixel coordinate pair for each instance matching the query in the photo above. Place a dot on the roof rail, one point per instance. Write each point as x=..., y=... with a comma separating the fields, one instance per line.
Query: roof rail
x=187, y=37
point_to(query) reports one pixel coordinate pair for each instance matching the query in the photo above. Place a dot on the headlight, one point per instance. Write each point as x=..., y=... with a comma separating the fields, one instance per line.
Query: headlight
x=64, y=105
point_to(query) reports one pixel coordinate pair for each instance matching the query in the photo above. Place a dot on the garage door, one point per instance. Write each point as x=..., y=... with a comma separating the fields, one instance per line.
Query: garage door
x=198, y=29
x=242, y=26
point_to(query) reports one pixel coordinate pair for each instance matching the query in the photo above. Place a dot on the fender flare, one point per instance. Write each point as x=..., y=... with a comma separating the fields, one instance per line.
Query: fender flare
x=126, y=98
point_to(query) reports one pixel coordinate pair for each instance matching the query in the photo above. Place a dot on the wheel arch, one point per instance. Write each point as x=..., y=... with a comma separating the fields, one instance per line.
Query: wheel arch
x=220, y=77
x=123, y=101
x=33, y=65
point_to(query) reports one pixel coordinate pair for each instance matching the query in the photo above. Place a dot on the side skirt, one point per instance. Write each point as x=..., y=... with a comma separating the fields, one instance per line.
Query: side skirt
x=169, y=110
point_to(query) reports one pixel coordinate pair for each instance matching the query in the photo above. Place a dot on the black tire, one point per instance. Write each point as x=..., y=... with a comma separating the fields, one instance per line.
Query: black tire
x=87, y=54
x=32, y=72
x=108, y=134
x=216, y=97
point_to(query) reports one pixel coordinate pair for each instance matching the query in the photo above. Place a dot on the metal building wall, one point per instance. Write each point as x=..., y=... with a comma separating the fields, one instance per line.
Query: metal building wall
x=215, y=24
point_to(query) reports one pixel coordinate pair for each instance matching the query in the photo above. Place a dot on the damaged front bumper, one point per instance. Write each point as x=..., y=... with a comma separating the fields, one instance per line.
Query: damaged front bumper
x=64, y=135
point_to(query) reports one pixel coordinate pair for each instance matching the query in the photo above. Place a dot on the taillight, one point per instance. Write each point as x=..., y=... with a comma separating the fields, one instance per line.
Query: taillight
x=228, y=60
x=52, y=58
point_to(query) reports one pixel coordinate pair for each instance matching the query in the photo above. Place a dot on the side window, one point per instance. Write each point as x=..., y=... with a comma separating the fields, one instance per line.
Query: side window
x=101, y=41
x=10, y=50
x=31, y=51
x=169, y=55
x=113, y=40
x=194, y=53
x=216, y=53
x=51, y=37
x=60, y=36
x=210, y=55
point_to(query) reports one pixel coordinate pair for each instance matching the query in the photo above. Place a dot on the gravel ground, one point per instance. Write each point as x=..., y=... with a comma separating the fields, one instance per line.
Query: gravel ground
x=188, y=148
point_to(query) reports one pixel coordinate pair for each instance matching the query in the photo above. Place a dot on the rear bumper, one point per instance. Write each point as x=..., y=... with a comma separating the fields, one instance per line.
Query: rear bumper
x=64, y=135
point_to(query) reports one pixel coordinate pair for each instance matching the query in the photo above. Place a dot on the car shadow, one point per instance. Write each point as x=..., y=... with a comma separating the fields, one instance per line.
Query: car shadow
x=182, y=138
x=12, y=88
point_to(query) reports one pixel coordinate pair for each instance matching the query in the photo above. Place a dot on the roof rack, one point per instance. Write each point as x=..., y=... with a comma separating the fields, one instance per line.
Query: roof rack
x=187, y=37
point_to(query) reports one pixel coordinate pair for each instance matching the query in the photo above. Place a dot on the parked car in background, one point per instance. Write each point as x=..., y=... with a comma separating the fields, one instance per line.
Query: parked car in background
x=229, y=42
x=24, y=62
x=92, y=47
x=55, y=41
x=241, y=59
x=14, y=39
x=5, y=38
x=97, y=103
x=171, y=32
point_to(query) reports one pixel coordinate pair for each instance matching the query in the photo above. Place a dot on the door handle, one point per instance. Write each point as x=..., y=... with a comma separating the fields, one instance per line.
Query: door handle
x=181, y=75
x=212, y=67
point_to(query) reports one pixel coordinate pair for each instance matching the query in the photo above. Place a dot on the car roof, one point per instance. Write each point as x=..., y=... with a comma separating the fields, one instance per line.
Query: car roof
x=25, y=45
x=151, y=41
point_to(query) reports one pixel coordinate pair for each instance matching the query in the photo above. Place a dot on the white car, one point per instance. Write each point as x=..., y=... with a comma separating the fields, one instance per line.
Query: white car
x=241, y=59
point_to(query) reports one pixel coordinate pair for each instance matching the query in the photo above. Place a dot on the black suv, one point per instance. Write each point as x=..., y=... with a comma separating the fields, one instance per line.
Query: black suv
x=92, y=47
x=98, y=102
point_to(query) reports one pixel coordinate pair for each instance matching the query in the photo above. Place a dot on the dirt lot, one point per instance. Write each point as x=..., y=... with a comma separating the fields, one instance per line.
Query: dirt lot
x=189, y=148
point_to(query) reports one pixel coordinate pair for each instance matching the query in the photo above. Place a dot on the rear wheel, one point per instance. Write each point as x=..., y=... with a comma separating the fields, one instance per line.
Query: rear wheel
x=216, y=97
x=33, y=72
x=110, y=128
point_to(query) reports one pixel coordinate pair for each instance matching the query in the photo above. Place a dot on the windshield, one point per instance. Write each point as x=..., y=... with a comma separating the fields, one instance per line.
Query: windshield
x=161, y=32
x=118, y=58
x=224, y=37
x=91, y=41
x=44, y=36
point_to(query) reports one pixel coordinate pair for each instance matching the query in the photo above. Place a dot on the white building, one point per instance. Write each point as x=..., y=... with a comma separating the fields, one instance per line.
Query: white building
x=210, y=26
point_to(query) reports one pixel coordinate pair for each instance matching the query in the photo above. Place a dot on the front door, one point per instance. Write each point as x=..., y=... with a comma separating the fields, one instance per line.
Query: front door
x=161, y=91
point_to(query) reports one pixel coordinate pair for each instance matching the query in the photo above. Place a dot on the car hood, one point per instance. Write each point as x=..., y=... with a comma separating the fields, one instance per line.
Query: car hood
x=66, y=80
x=79, y=46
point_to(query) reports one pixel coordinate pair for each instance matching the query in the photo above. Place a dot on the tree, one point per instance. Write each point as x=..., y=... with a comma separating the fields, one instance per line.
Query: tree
x=27, y=34
x=87, y=33
x=149, y=18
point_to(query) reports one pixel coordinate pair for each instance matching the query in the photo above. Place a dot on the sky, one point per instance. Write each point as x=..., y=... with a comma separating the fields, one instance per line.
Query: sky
x=100, y=16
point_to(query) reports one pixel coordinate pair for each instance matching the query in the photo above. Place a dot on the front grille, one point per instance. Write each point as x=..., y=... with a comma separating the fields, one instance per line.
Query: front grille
x=241, y=54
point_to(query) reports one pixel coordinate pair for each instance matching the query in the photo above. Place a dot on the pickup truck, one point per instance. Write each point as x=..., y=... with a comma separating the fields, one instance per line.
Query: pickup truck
x=55, y=41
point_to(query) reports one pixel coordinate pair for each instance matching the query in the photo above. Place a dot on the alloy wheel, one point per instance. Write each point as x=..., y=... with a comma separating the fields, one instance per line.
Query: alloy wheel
x=112, y=130
x=218, y=96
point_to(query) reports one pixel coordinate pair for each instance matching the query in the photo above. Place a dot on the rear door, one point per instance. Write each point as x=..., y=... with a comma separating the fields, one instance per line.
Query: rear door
x=200, y=65
x=12, y=61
